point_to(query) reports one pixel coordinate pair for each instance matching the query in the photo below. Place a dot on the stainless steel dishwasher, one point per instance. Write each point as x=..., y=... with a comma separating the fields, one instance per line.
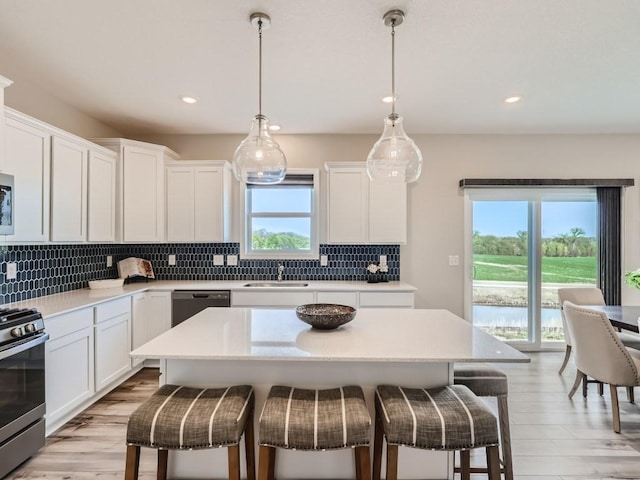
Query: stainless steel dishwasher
x=186, y=303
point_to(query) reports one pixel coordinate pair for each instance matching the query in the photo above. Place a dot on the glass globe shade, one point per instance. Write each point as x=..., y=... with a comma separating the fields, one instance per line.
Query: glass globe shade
x=259, y=159
x=394, y=158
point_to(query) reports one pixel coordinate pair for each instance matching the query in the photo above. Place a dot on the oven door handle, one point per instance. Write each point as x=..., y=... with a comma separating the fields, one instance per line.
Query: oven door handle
x=13, y=350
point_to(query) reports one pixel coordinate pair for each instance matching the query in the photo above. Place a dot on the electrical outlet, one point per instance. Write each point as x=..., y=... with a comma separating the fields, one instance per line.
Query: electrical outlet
x=109, y=261
x=12, y=271
x=172, y=260
x=324, y=260
x=383, y=259
x=232, y=260
x=454, y=260
x=218, y=260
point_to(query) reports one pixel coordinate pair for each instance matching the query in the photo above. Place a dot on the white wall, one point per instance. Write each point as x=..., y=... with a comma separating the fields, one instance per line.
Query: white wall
x=33, y=100
x=436, y=204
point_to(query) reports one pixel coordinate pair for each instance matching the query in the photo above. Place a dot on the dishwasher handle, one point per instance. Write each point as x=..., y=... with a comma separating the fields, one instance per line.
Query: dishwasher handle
x=201, y=295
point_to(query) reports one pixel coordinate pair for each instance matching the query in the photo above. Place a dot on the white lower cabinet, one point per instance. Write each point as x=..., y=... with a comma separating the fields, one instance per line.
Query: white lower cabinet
x=271, y=299
x=113, y=340
x=69, y=357
x=340, y=298
x=151, y=316
x=387, y=299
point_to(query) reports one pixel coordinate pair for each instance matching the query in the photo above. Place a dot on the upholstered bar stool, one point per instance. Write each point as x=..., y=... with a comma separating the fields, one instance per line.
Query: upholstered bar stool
x=486, y=381
x=447, y=418
x=306, y=419
x=182, y=418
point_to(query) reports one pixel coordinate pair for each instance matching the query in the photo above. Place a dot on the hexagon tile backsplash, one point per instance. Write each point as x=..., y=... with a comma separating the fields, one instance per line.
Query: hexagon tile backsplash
x=49, y=269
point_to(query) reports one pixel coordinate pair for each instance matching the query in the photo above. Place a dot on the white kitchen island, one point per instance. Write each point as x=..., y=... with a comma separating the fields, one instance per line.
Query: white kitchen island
x=265, y=347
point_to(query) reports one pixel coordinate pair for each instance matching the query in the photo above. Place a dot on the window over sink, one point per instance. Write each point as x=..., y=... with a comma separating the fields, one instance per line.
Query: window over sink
x=281, y=221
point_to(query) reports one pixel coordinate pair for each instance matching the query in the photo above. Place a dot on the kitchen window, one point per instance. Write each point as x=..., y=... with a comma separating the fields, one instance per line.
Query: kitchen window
x=281, y=221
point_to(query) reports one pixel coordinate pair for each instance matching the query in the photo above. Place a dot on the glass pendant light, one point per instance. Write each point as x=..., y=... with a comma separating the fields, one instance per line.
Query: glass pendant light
x=394, y=158
x=259, y=159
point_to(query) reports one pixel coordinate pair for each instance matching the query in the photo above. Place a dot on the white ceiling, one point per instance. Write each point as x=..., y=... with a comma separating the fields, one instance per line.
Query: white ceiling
x=327, y=63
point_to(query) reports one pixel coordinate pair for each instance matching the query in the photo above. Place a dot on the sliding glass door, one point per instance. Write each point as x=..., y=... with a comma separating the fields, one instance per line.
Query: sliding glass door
x=526, y=244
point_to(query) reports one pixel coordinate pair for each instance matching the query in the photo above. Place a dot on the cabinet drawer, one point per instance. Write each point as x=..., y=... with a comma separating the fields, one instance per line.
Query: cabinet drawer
x=341, y=298
x=111, y=309
x=386, y=299
x=67, y=323
x=270, y=299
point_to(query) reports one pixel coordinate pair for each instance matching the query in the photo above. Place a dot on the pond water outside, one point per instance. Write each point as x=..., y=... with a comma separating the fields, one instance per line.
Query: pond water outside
x=510, y=323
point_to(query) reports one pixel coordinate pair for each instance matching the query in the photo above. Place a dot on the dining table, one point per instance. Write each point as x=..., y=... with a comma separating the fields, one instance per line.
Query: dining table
x=621, y=316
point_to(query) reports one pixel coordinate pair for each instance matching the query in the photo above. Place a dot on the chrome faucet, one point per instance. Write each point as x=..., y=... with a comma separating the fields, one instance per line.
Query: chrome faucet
x=280, y=271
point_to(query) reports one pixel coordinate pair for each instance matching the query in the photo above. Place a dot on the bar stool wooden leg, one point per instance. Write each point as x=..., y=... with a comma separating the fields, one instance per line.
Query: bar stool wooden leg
x=493, y=462
x=363, y=463
x=567, y=354
x=250, y=448
x=615, y=408
x=163, y=455
x=266, y=463
x=132, y=463
x=465, y=464
x=505, y=436
x=233, y=461
x=378, y=438
x=392, y=462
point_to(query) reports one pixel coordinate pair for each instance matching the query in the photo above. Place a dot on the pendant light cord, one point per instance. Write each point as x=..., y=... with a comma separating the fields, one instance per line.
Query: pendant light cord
x=260, y=69
x=393, y=68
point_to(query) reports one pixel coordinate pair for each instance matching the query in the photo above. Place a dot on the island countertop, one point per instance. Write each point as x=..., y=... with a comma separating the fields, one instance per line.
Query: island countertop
x=375, y=335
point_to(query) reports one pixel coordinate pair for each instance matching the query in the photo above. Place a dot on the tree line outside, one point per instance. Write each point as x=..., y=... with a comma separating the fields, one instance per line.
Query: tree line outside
x=263, y=239
x=572, y=244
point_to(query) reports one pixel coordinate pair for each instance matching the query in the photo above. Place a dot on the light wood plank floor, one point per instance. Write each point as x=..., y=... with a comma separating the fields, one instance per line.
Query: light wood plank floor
x=553, y=437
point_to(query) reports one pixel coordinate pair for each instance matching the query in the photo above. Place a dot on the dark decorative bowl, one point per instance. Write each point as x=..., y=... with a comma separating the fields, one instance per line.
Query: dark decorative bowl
x=325, y=316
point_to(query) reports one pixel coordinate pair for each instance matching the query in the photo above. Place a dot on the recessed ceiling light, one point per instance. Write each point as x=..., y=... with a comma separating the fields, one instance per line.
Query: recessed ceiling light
x=513, y=99
x=389, y=99
x=188, y=99
x=274, y=127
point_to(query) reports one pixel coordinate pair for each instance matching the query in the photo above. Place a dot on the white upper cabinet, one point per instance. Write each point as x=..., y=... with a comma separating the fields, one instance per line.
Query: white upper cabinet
x=102, y=196
x=68, y=191
x=198, y=201
x=360, y=211
x=140, y=204
x=4, y=83
x=28, y=159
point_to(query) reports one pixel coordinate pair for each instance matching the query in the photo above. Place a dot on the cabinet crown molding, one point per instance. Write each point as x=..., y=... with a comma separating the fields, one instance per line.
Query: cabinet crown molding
x=119, y=142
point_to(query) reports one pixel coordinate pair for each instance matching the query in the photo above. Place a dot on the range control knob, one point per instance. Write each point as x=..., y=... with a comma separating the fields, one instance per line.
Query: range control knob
x=16, y=332
x=29, y=328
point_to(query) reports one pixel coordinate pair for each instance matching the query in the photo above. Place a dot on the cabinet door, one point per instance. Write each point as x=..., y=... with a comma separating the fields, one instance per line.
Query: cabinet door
x=138, y=324
x=112, y=349
x=68, y=191
x=341, y=298
x=348, y=205
x=143, y=195
x=209, y=208
x=180, y=204
x=158, y=313
x=101, y=221
x=387, y=213
x=69, y=372
x=28, y=158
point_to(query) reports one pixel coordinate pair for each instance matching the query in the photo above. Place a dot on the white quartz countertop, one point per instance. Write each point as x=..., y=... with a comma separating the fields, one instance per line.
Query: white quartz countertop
x=375, y=335
x=60, y=303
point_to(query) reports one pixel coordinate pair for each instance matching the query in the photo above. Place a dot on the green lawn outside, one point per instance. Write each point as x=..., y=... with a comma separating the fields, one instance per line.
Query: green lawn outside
x=554, y=269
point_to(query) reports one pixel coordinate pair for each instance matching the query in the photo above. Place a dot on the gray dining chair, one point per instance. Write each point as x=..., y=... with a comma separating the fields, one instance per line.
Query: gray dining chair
x=600, y=353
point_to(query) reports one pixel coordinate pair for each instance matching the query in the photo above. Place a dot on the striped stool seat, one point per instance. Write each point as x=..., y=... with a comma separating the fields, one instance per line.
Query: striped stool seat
x=482, y=379
x=183, y=418
x=487, y=381
x=444, y=418
x=306, y=419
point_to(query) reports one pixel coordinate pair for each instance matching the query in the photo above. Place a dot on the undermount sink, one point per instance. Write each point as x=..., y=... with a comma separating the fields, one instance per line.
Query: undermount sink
x=276, y=284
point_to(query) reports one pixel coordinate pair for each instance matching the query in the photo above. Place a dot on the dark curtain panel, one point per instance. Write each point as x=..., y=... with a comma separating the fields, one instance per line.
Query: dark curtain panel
x=609, y=239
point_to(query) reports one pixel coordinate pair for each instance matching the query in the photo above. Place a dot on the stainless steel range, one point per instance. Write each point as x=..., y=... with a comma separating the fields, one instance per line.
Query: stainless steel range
x=22, y=386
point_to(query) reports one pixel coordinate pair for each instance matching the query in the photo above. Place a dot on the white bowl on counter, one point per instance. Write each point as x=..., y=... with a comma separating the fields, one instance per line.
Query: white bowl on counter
x=107, y=283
